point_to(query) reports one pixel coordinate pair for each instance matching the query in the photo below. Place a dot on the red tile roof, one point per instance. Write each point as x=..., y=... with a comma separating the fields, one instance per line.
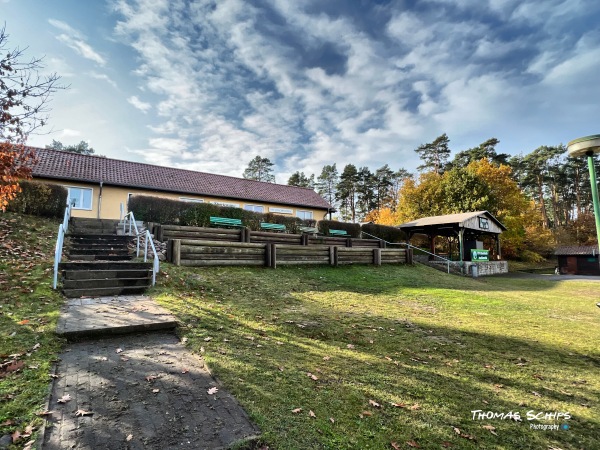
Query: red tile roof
x=72, y=166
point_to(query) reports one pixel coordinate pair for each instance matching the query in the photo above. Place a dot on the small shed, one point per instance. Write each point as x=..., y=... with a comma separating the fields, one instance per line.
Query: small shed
x=578, y=260
x=466, y=228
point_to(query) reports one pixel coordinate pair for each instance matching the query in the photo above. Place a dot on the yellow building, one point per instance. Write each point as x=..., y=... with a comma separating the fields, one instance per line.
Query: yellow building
x=100, y=187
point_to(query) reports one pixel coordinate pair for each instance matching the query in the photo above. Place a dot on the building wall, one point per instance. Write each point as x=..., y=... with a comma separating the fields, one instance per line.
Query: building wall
x=473, y=223
x=109, y=206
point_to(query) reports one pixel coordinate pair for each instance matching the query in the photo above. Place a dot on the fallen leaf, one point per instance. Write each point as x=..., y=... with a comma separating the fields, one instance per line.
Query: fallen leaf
x=16, y=436
x=366, y=413
x=297, y=410
x=151, y=378
x=332, y=420
x=129, y=437
x=104, y=358
x=413, y=444
x=326, y=358
x=23, y=322
x=123, y=358
x=7, y=423
x=29, y=444
x=311, y=414
x=155, y=391
x=64, y=399
x=457, y=430
x=415, y=407
x=36, y=346
x=44, y=413
x=185, y=370
x=119, y=350
x=281, y=369
x=398, y=405
x=312, y=377
x=374, y=403
x=537, y=394
x=207, y=339
x=395, y=446
x=446, y=444
x=350, y=346
x=212, y=390
x=491, y=429
x=81, y=413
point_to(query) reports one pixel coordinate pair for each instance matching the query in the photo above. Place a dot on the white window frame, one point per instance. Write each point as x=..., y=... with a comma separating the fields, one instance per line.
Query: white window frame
x=252, y=208
x=281, y=210
x=225, y=204
x=304, y=211
x=191, y=200
x=83, y=189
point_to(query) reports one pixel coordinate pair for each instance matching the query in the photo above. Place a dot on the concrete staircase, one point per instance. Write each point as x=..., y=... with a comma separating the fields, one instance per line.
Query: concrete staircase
x=100, y=262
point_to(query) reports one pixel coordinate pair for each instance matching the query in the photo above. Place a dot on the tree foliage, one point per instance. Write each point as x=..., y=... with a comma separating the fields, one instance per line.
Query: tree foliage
x=301, y=180
x=83, y=148
x=434, y=155
x=24, y=97
x=327, y=183
x=260, y=169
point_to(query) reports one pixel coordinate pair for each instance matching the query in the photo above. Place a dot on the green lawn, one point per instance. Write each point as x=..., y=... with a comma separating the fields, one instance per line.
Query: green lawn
x=397, y=355
x=28, y=315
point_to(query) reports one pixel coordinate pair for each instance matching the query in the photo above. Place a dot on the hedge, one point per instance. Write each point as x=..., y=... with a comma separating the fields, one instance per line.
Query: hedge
x=387, y=233
x=176, y=212
x=353, y=229
x=40, y=199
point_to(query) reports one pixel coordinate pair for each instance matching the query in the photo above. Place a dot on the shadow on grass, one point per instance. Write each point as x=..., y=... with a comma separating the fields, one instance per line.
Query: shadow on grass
x=447, y=372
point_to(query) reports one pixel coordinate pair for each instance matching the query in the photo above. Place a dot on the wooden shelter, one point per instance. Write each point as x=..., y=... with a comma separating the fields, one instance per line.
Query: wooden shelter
x=466, y=229
x=578, y=260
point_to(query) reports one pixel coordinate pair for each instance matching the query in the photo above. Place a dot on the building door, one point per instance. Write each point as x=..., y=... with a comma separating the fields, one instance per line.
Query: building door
x=571, y=265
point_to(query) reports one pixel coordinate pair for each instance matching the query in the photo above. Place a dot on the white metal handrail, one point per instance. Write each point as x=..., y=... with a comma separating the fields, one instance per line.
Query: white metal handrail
x=130, y=219
x=412, y=246
x=62, y=230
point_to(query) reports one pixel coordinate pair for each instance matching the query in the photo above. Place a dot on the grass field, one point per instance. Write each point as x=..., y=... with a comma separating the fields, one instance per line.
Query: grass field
x=389, y=357
x=28, y=313
x=396, y=356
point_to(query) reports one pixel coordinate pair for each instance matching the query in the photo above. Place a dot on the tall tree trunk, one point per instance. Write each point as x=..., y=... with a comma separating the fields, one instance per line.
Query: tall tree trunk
x=542, y=203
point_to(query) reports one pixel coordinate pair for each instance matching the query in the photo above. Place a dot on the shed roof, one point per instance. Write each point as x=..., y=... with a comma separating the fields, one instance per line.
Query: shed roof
x=458, y=219
x=576, y=250
x=62, y=165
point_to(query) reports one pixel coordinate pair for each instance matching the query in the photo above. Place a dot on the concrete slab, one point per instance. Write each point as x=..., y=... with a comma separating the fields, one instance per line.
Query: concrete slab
x=140, y=392
x=98, y=316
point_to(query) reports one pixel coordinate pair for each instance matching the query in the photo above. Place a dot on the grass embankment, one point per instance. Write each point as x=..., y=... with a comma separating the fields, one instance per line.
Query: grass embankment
x=365, y=357
x=28, y=313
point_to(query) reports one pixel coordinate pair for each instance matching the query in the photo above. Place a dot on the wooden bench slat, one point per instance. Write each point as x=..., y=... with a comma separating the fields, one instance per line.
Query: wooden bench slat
x=309, y=230
x=272, y=226
x=225, y=221
x=338, y=233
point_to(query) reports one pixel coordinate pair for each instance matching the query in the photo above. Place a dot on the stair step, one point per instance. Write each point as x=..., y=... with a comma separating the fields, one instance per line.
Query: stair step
x=105, y=265
x=98, y=292
x=90, y=274
x=99, y=251
x=107, y=283
x=98, y=237
x=81, y=257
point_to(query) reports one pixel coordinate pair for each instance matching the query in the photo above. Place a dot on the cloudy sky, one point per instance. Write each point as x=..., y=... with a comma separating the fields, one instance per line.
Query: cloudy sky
x=207, y=85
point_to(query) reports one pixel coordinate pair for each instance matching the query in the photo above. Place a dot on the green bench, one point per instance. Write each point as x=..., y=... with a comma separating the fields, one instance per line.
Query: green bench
x=272, y=226
x=309, y=230
x=338, y=233
x=225, y=222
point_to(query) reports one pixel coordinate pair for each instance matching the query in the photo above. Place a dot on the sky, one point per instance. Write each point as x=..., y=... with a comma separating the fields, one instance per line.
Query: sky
x=208, y=85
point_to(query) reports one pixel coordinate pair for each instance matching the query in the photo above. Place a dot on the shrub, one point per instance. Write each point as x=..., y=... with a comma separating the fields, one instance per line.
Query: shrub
x=176, y=212
x=353, y=229
x=40, y=199
x=387, y=233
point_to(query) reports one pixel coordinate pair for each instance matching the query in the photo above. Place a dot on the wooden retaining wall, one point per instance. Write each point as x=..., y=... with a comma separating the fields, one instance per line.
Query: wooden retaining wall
x=166, y=232
x=196, y=253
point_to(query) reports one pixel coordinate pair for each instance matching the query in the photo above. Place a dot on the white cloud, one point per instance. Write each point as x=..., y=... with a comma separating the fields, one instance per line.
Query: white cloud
x=103, y=77
x=69, y=133
x=76, y=41
x=137, y=103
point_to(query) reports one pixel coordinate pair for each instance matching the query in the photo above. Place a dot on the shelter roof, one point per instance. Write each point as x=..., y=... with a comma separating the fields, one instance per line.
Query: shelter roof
x=449, y=219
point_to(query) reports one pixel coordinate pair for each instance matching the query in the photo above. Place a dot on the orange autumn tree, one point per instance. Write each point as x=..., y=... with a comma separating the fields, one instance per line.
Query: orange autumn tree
x=24, y=97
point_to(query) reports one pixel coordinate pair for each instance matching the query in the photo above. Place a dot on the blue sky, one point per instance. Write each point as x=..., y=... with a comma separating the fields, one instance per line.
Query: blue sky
x=208, y=85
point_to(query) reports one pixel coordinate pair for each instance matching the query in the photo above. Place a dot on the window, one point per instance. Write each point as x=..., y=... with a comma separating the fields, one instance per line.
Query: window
x=280, y=210
x=191, y=200
x=234, y=205
x=80, y=198
x=484, y=223
x=304, y=215
x=255, y=208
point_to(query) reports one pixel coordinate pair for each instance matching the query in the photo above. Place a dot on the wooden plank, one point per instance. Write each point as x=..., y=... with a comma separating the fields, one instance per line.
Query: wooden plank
x=177, y=252
x=216, y=262
x=332, y=256
x=377, y=256
x=228, y=257
x=220, y=244
x=335, y=256
x=293, y=263
x=323, y=259
x=268, y=256
x=221, y=250
x=274, y=256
